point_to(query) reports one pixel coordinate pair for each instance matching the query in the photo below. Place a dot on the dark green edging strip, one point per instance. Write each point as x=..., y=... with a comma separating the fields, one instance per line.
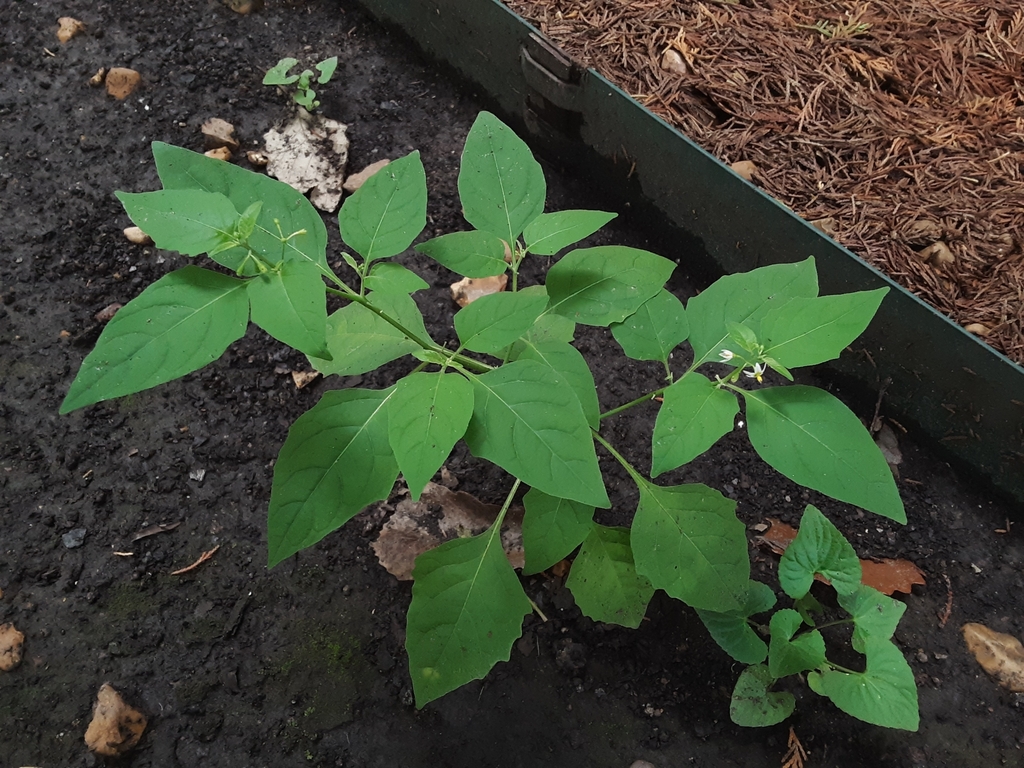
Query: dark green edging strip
x=955, y=389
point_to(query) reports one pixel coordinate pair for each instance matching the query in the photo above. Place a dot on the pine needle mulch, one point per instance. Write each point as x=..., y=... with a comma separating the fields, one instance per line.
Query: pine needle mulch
x=896, y=127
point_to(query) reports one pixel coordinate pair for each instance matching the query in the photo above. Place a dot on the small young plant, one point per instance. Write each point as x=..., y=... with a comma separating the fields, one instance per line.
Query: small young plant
x=304, y=94
x=519, y=394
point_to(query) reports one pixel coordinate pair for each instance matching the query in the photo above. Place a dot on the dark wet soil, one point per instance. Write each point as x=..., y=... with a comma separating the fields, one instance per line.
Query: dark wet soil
x=304, y=665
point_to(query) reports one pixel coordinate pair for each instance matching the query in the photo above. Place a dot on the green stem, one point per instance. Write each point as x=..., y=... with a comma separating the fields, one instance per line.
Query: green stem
x=637, y=477
x=352, y=296
x=836, y=623
x=631, y=403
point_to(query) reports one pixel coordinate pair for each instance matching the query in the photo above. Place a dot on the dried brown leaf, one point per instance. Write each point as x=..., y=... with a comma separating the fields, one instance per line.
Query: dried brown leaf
x=469, y=289
x=153, y=530
x=999, y=654
x=219, y=133
x=356, y=180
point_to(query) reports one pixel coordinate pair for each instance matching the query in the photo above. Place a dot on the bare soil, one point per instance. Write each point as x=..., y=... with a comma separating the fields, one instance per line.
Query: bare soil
x=235, y=665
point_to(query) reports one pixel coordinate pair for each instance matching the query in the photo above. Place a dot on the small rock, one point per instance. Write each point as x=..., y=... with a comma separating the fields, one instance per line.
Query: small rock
x=745, y=168
x=641, y=764
x=74, y=538
x=121, y=82
x=672, y=61
x=356, y=180
x=220, y=153
x=219, y=133
x=244, y=7
x=11, y=641
x=258, y=159
x=68, y=27
x=137, y=236
x=115, y=727
x=197, y=475
x=97, y=80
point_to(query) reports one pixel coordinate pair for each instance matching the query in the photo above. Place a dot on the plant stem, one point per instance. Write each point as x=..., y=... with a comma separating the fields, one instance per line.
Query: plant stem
x=537, y=609
x=631, y=403
x=637, y=478
x=352, y=296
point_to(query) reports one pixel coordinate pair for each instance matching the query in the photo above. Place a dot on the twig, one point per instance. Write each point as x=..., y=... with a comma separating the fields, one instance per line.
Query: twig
x=795, y=754
x=944, y=616
x=202, y=559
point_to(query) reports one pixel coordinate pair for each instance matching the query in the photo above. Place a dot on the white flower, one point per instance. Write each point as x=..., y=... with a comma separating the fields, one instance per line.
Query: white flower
x=726, y=355
x=757, y=373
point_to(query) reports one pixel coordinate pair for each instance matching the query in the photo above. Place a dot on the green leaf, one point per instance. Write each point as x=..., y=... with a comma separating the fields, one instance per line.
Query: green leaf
x=753, y=706
x=807, y=606
x=788, y=655
x=180, y=323
x=549, y=233
x=688, y=542
x=813, y=439
x=427, y=415
x=549, y=327
x=335, y=461
x=744, y=298
x=565, y=360
x=187, y=221
x=875, y=615
x=819, y=547
x=291, y=305
x=552, y=528
x=247, y=221
x=470, y=254
x=604, y=582
x=884, y=694
x=278, y=74
x=467, y=609
x=383, y=217
x=496, y=320
x=654, y=330
x=360, y=341
x=607, y=284
x=326, y=69
x=501, y=186
x=528, y=421
x=693, y=416
x=732, y=630
x=282, y=207
x=811, y=331
x=389, y=277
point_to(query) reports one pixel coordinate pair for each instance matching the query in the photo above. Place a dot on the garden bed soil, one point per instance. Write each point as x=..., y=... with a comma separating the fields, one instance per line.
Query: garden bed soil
x=893, y=126
x=235, y=665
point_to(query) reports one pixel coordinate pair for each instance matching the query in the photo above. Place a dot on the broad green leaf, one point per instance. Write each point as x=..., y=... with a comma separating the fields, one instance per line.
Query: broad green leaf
x=278, y=74
x=383, y=217
x=389, y=277
x=549, y=233
x=654, y=330
x=471, y=254
x=753, y=706
x=326, y=69
x=501, y=186
x=744, y=298
x=693, y=416
x=180, y=323
x=567, y=361
x=884, y=694
x=819, y=547
x=187, y=221
x=550, y=327
x=285, y=211
x=811, y=331
x=467, y=609
x=552, y=528
x=604, y=285
x=291, y=305
x=496, y=320
x=732, y=630
x=361, y=341
x=247, y=221
x=528, y=421
x=788, y=655
x=688, y=542
x=604, y=582
x=427, y=415
x=875, y=615
x=335, y=461
x=813, y=439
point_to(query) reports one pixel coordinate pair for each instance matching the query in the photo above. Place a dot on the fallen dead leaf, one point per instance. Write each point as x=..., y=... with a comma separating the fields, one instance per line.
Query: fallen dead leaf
x=309, y=154
x=745, y=168
x=303, y=378
x=469, y=289
x=890, y=448
x=68, y=27
x=97, y=80
x=137, y=236
x=219, y=133
x=923, y=231
x=826, y=225
x=560, y=569
x=672, y=61
x=153, y=530
x=11, y=641
x=887, y=575
x=202, y=559
x=244, y=7
x=999, y=654
x=106, y=314
x=937, y=255
x=220, y=153
x=356, y=180
x=115, y=727
x=440, y=515
x=121, y=82
x=978, y=329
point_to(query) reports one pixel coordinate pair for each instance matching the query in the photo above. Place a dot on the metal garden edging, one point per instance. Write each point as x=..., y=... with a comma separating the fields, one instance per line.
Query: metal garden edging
x=959, y=392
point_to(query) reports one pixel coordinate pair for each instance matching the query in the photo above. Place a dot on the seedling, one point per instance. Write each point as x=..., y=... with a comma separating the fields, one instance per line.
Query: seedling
x=304, y=94
x=520, y=395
